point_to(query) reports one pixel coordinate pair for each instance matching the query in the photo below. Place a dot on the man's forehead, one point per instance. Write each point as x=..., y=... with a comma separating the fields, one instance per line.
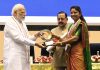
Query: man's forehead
x=21, y=10
x=61, y=15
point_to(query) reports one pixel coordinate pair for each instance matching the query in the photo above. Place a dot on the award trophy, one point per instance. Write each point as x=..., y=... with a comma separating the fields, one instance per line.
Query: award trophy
x=46, y=35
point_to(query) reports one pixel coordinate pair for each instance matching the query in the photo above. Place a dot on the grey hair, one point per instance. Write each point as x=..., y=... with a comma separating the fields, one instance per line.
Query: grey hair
x=16, y=7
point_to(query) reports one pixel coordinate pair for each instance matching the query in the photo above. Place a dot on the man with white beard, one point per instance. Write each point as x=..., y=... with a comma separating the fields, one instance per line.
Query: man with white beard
x=17, y=41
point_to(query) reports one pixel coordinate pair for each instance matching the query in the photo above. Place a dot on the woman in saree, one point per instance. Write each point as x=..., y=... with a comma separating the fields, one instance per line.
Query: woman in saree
x=79, y=58
x=77, y=37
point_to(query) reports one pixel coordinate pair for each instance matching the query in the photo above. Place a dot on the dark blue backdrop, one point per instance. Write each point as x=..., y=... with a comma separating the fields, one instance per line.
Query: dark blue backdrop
x=51, y=7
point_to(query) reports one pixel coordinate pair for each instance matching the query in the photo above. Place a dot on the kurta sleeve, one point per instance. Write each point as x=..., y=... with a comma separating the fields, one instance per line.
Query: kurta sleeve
x=32, y=37
x=12, y=30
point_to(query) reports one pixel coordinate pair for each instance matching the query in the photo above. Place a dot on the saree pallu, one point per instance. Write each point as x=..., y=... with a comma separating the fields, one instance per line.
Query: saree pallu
x=86, y=46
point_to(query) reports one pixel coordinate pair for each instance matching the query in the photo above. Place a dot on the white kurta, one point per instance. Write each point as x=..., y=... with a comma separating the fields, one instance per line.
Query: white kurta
x=16, y=46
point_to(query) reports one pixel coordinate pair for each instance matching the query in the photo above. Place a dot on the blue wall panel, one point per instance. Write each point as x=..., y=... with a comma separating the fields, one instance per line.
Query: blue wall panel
x=51, y=7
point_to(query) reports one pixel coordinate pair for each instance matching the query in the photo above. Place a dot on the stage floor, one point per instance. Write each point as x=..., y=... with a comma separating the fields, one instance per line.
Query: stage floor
x=48, y=66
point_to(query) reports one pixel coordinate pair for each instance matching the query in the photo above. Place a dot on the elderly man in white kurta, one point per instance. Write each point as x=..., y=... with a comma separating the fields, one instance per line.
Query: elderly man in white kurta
x=17, y=41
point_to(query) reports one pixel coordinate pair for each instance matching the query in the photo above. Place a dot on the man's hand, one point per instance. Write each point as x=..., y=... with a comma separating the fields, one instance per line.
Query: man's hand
x=57, y=44
x=39, y=45
x=37, y=34
x=55, y=36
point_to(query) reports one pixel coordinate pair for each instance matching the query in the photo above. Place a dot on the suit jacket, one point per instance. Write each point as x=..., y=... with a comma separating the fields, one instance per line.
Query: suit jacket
x=17, y=43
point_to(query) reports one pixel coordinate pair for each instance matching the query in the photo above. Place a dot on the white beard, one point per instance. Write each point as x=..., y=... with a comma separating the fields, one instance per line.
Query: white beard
x=22, y=19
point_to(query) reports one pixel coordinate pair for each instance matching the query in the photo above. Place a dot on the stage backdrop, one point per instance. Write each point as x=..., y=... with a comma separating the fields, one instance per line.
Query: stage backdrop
x=90, y=8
